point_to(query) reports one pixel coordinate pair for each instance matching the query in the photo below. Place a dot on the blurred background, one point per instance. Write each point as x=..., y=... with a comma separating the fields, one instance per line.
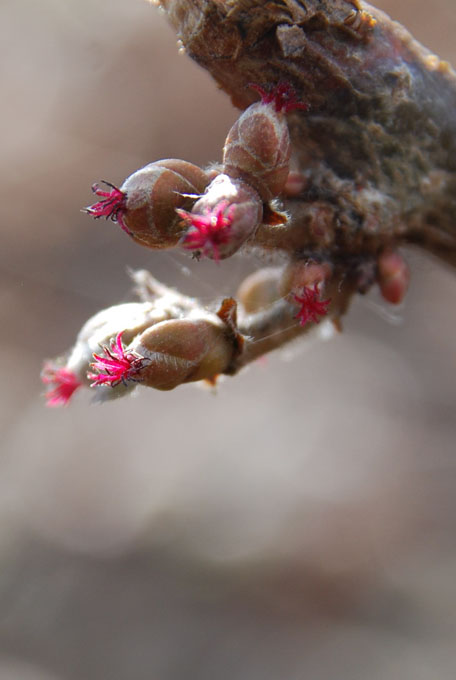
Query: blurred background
x=300, y=523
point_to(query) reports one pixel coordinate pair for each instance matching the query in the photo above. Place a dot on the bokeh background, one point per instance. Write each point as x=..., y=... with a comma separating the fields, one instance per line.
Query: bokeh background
x=298, y=524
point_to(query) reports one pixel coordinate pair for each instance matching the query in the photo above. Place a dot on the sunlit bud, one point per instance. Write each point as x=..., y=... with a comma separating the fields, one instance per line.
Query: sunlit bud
x=222, y=219
x=257, y=148
x=183, y=350
x=145, y=205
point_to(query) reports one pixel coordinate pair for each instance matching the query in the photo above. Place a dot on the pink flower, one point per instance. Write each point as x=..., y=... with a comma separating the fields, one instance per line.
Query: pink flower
x=210, y=230
x=311, y=306
x=282, y=97
x=116, y=366
x=112, y=206
x=62, y=382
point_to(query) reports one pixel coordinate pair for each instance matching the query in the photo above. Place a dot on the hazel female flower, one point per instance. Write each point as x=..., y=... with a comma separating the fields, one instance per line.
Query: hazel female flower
x=116, y=366
x=208, y=231
x=257, y=149
x=311, y=306
x=112, y=206
x=223, y=219
x=145, y=205
x=62, y=384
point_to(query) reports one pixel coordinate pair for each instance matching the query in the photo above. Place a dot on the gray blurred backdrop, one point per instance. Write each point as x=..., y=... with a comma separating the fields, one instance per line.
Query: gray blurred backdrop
x=298, y=524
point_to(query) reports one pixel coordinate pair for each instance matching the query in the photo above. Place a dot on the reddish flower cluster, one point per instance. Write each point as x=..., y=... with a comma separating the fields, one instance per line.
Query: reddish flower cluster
x=116, y=366
x=311, y=306
x=210, y=230
x=63, y=383
x=112, y=206
x=283, y=97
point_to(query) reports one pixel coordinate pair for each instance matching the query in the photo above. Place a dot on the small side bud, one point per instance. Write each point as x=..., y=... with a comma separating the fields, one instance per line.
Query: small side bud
x=296, y=183
x=393, y=276
x=183, y=350
x=304, y=274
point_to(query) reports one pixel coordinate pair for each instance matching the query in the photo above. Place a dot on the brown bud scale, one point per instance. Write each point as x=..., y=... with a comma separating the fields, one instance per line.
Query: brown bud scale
x=153, y=194
x=257, y=150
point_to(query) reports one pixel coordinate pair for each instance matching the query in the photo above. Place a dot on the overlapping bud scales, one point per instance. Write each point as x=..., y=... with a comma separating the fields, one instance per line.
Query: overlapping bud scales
x=145, y=205
x=190, y=349
x=257, y=148
x=165, y=341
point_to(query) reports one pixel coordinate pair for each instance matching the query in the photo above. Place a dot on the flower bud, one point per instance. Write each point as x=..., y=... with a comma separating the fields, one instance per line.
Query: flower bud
x=65, y=375
x=393, y=276
x=222, y=220
x=145, y=205
x=257, y=149
x=183, y=350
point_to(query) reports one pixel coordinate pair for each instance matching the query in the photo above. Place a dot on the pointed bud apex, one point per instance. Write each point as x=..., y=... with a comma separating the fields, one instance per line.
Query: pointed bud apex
x=304, y=274
x=260, y=289
x=145, y=205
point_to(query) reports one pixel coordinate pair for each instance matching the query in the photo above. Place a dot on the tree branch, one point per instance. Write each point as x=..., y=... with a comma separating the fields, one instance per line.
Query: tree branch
x=377, y=151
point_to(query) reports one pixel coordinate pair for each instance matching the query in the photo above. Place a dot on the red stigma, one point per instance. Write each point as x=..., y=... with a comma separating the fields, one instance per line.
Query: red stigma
x=311, y=306
x=283, y=97
x=208, y=231
x=112, y=206
x=62, y=382
x=116, y=365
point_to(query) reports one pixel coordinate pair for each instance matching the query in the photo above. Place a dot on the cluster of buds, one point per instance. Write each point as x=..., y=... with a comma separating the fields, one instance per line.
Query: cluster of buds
x=168, y=339
x=159, y=343
x=172, y=202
